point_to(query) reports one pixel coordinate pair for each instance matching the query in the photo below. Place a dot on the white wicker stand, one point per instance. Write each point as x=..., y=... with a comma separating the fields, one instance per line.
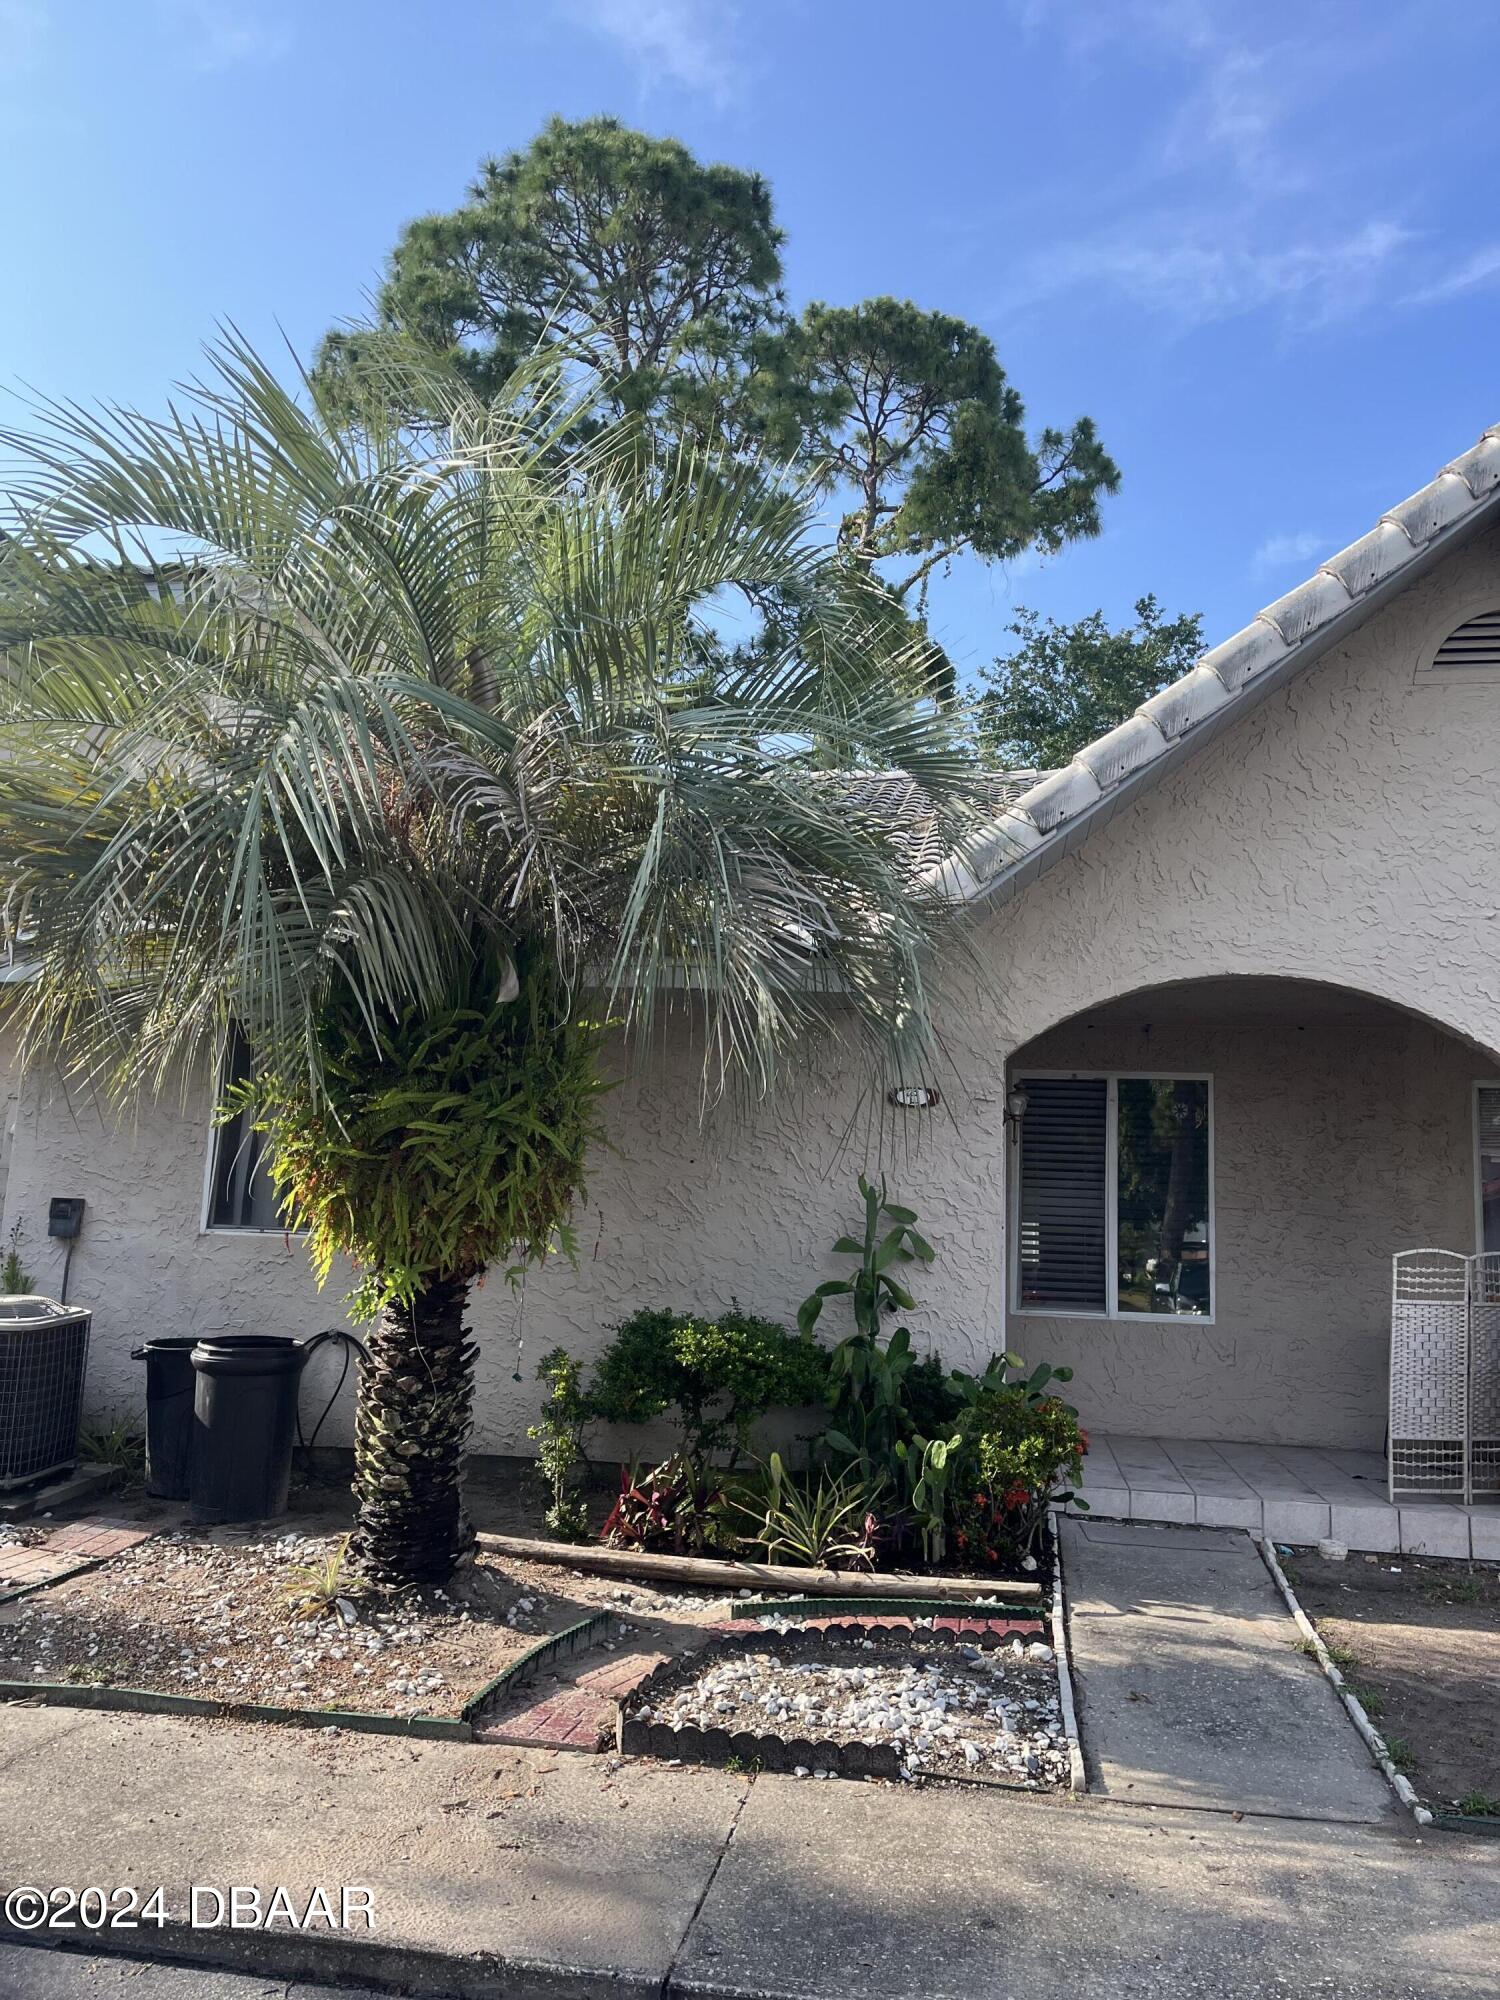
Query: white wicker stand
x=1445, y=1374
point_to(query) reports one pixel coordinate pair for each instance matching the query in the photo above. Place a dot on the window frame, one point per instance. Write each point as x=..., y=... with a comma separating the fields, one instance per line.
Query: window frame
x=1476, y=1157
x=240, y=1231
x=1112, y=1315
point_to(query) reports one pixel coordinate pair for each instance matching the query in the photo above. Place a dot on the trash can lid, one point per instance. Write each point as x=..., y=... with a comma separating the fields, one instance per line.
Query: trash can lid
x=25, y=1312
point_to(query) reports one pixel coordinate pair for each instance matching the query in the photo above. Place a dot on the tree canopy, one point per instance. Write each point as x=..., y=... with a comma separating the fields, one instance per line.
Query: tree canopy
x=648, y=270
x=1066, y=684
x=658, y=278
x=910, y=412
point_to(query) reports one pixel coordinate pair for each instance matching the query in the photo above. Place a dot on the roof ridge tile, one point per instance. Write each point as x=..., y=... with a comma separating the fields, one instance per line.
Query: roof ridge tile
x=1219, y=677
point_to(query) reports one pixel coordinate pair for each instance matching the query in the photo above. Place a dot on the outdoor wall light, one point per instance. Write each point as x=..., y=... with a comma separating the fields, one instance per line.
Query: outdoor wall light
x=913, y=1096
x=1016, y=1102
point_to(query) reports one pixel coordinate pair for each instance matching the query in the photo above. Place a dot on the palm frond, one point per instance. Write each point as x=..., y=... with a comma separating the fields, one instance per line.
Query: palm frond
x=292, y=709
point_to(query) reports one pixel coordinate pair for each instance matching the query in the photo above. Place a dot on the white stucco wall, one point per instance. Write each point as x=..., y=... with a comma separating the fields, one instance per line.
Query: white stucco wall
x=1347, y=830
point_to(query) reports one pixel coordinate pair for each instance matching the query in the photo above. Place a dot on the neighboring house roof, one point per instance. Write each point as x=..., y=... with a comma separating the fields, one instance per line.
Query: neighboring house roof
x=900, y=807
x=1056, y=813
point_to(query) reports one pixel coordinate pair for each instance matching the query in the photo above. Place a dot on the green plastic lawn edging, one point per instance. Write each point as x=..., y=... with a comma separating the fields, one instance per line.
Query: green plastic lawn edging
x=145, y=1701
x=850, y=1610
x=1451, y=1822
x=555, y=1647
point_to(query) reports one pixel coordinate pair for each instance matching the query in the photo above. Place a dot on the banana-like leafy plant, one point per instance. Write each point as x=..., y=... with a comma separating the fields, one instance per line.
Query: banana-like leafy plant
x=410, y=758
x=866, y=1399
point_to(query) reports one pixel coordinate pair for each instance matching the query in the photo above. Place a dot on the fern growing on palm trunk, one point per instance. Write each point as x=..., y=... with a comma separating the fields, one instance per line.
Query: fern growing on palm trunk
x=450, y=1139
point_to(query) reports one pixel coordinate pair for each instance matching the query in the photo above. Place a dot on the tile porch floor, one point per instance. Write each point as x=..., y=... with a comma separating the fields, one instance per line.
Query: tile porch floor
x=1289, y=1492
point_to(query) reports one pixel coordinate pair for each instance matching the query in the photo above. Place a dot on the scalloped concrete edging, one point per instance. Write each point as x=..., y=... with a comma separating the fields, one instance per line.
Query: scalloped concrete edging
x=974, y=1610
x=744, y=1747
x=754, y=1752
x=459, y=1728
x=1370, y=1736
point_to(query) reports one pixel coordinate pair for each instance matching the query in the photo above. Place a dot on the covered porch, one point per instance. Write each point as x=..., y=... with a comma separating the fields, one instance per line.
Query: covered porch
x=1208, y=1181
x=1289, y=1493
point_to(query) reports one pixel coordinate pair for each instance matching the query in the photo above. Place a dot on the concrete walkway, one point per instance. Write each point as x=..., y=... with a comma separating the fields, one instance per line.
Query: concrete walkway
x=527, y=1873
x=1192, y=1690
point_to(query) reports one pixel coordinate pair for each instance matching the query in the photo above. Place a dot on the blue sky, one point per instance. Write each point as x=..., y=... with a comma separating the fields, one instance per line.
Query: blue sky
x=1258, y=244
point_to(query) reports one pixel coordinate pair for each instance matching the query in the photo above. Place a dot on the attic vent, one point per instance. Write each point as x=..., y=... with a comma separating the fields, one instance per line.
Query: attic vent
x=1471, y=652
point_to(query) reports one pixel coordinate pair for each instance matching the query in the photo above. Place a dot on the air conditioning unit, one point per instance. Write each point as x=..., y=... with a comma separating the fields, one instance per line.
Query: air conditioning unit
x=44, y=1350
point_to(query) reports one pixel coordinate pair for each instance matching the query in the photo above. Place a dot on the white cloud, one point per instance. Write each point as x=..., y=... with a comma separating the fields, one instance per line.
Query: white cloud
x=1201, y=272
x=1286, y=551
x=1246, y=187
x=219, y=35
x=1237, y=113
x=690, y=43
x=1480, y=267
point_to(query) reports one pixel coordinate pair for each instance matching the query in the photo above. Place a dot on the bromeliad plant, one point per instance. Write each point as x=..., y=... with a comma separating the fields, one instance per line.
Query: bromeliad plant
x=674, y=1508
x=818, y=1520
x=384, y=750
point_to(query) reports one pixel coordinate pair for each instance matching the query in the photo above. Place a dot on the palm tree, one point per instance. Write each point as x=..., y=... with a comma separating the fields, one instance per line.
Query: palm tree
x=416, y=765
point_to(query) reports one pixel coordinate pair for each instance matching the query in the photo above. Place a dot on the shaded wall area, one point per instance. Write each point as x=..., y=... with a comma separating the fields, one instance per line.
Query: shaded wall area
x=1343, y=1132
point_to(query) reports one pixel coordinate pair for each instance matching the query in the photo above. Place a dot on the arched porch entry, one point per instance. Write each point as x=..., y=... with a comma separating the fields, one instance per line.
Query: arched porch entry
x=1206, y=1187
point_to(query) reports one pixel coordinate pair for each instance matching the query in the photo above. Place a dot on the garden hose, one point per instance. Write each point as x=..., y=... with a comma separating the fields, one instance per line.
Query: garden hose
x=348, y=1341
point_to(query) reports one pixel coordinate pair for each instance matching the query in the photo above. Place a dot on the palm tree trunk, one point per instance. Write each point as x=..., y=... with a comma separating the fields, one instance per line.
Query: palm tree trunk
x=411, y=1434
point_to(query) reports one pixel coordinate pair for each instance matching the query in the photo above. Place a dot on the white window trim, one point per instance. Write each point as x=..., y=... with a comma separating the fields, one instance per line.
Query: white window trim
x=1477, y=1158
x=1112, y=1314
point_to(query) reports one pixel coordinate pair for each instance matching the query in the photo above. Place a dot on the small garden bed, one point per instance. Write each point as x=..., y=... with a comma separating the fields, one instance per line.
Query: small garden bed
x=216, y=1617
x=824, y=1704
x=1418, y=1641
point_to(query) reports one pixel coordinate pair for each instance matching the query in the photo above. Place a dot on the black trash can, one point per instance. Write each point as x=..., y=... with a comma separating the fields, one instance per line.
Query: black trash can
x=169, y=1414
x=244, y=1423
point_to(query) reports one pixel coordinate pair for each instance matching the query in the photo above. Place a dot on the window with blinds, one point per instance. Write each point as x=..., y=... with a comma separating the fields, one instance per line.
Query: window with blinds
x=1114, y=1192
x=1063, y=1232
x=1487, y=1118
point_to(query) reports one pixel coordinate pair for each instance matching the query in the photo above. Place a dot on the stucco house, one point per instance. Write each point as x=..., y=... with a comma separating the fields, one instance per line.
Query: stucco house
x=1226, y=1037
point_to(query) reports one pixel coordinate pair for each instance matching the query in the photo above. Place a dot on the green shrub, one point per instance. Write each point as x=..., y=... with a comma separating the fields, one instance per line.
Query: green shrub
x=717, y=1377
x=435, y=1141
x=15, y=1279
x=559, y=1442
x=1025, y=1451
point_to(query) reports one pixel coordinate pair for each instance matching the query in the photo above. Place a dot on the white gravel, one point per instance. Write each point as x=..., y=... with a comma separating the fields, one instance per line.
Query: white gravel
x=951, y=1713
